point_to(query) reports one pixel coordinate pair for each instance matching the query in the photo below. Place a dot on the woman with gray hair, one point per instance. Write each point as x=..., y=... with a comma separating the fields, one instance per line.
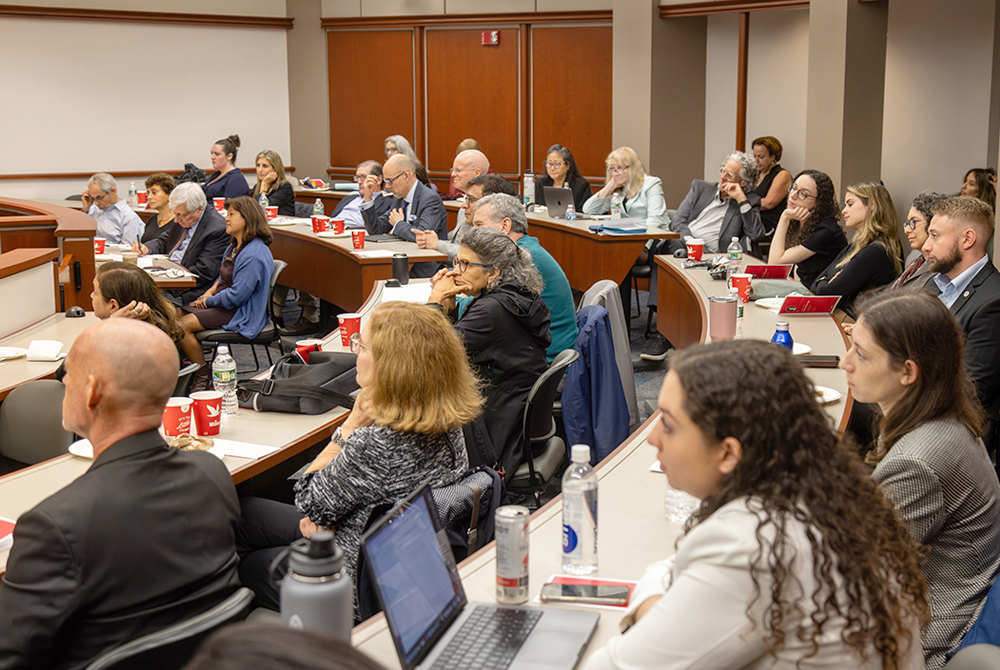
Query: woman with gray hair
x=397, y=144
x=505, y=328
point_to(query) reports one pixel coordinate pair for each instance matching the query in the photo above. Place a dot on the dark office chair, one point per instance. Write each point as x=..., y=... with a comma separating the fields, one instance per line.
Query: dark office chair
x=268, y=334
x=31, y=428
x=543, y=450
x=303, y=210
x=172, y=647
x=184, y=380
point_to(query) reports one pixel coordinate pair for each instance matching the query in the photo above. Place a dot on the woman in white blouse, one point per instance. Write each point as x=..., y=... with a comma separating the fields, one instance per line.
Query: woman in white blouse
x=642, y=194
x=794, y=559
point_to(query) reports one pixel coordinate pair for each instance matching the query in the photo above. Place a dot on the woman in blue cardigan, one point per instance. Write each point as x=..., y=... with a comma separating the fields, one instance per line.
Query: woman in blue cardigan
x=238, y=299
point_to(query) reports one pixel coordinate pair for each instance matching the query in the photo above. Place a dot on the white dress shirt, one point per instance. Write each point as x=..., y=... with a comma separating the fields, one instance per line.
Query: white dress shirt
x=708, y=224
x=118, y=224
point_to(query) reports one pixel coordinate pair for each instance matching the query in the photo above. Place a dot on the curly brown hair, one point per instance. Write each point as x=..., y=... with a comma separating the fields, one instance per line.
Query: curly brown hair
x=793, y=467
x=826, y=207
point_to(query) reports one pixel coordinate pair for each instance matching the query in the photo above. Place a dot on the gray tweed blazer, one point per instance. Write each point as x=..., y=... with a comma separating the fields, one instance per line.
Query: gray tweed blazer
x=942, y=482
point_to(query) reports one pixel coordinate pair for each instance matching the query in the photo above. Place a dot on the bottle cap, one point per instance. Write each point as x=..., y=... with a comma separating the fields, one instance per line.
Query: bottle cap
x=223, y=349
x=736, y=239
x=580, y=453
x=318, y=556
x=781, y=325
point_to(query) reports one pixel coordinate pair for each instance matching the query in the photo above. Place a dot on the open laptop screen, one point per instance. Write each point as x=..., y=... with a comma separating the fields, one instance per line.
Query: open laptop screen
x=414, y=575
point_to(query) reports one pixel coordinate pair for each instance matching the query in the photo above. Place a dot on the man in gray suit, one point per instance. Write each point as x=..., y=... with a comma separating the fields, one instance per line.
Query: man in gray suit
x=143, y=539
x=715, y=212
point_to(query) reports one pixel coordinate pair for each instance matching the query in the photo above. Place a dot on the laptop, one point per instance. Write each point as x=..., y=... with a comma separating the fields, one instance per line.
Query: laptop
x=556, y=200
x=411, y=564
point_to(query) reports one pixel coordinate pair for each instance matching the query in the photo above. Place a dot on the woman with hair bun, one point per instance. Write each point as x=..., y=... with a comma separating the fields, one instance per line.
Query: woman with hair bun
x=227, y=181
x=505, y=328
x=907, y=359
x=794, y=559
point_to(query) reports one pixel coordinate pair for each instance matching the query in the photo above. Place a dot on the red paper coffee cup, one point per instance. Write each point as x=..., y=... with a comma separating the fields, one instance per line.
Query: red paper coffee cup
x=320, y=224
x=207, y=411
x=695, y=248
x=142, y=197
x=177, y=417
x=349, y=324
x=220, y=203
x=99, y=245
x=337, y=225
x=272, y=213
x=742, y=283
x=358, y=237
x=304, y=347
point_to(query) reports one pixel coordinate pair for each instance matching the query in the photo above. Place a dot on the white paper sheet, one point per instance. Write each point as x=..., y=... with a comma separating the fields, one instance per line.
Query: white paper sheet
x=408, y=293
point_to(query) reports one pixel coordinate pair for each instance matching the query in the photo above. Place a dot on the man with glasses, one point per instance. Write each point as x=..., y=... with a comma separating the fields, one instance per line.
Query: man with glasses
x=197, y=241
x=715, y=212
x=468, y=165
x=477, y=188
x=414, y=207
x=117, y=223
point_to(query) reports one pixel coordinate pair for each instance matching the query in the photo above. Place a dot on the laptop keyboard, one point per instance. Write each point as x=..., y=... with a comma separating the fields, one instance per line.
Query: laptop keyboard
x=489, y=638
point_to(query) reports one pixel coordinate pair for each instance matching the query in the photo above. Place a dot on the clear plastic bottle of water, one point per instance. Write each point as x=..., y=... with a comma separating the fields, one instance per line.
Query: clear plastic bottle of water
x=318, y=208
x=735, y=294
x=224, y=380
x=579, y=514
x=734, y=255
x=570, y=212
x=264, y=202
x=616, y=205
x=133, y=196
x=529, y=190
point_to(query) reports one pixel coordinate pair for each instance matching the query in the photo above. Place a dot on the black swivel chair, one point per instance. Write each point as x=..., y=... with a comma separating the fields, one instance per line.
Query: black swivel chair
x=172, y=647
x=268, y=334
x=539, y=431
x=184, y=380
x=31, y=428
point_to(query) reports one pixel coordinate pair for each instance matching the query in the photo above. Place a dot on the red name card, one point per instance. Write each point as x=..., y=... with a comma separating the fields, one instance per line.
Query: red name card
x=769, y=271
x=809, y=304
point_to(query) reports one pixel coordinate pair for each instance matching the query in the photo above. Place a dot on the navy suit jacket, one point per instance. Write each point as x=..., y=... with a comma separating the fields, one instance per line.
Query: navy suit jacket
x=426, y=213
x=203, y=255
x=734, y=223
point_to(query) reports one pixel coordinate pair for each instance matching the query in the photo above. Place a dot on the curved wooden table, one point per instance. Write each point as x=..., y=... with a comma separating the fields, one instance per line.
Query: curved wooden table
x=30, y=224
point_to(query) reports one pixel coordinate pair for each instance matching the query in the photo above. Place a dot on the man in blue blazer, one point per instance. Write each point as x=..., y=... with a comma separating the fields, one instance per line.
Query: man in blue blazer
x=198, y=244
x=716, y=212
x=415, y=207
x=969, y=285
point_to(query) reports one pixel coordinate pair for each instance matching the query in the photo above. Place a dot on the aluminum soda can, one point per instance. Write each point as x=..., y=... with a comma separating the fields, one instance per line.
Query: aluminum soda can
x=512, y=554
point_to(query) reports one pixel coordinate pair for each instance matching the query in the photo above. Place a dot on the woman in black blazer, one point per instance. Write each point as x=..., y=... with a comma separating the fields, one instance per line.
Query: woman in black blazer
x=561, y=172
x=272, y=181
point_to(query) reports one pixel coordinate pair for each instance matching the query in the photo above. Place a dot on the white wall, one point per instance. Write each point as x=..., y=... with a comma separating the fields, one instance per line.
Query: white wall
x=98, y=96
x=778, y=65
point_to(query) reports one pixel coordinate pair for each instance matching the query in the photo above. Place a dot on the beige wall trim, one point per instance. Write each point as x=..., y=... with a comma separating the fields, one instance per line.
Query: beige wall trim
x=728, y=7
x=115, y=173
x=72, y=14
x=468, y=20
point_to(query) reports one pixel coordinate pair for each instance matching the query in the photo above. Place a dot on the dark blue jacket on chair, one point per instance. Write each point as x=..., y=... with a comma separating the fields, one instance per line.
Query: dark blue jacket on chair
x=593, y=404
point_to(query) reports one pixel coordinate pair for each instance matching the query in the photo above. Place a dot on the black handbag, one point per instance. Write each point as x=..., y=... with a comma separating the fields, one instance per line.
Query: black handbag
x=297, y=387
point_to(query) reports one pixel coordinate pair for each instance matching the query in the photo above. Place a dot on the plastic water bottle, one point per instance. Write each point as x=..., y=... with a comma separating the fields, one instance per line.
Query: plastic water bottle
x=318, y=208
x=264, y=202
x=579, y=514
x=734, y=254
x=133, y=196
x=529, y=190
x=782, y=337
x=570, y=212
x=224, y=380
x=734, y=293
x=616, y=205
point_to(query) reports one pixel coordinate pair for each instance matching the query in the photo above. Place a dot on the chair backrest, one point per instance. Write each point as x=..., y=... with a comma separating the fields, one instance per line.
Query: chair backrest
x=172, y=647
x=605, y=293
x=538, y=423
x=31, y=422
x=278, y=268
x=184, y=380
x=975, y=657
x=303, y=210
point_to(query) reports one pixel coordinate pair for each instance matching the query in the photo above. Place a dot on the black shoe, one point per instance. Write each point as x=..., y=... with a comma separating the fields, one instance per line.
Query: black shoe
x=202, y=379
x=656, y=348
x=301, y=327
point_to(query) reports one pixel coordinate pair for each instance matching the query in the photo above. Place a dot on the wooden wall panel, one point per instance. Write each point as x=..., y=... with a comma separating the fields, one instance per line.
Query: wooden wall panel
x=571, y=95
x=472, y=91
x=371, y=93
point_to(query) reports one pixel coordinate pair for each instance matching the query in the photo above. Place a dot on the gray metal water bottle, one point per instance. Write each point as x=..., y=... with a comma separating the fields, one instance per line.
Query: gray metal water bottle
x=317, y=593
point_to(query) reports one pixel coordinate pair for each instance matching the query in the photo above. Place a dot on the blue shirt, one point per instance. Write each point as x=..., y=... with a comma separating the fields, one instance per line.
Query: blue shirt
x=952, y=288
x=118, y=224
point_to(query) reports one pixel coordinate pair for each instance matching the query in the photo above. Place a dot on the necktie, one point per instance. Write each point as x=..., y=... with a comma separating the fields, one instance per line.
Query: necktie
x=187, y=231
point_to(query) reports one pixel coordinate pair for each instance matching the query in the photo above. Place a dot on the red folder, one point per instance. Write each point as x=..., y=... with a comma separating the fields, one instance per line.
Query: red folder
x=809, y=304
x=769, y=271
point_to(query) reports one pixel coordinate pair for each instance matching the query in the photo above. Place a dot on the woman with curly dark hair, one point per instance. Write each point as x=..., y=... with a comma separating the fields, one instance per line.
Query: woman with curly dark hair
x=908, y=360
x=807, y=233
x=794, y=559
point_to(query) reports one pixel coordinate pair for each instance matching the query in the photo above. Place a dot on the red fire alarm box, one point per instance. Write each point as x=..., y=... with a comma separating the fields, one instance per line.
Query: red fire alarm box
x=491, y=38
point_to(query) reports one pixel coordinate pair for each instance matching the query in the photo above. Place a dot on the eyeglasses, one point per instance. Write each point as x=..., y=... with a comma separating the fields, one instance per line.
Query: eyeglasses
x=555, y=164
x=457, y=170
x=727, y=175
x=799, y=193
x=181, y=217
x=388, y=180
x=462, y=265
x=618, y=169
x=360, y=179
x=389, y=151
x=470, y=200
x=911, y=224
x=357, y=345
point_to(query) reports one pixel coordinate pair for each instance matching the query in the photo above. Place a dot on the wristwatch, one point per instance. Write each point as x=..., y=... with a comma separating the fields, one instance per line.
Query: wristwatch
x=745, y=207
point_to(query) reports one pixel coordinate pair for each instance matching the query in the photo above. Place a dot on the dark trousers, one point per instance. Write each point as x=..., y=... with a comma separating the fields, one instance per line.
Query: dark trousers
x=265, y=530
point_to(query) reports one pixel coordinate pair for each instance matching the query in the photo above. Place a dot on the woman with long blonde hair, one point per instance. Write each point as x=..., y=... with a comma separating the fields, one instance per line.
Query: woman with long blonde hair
x=874, y=257
x=642, y=194
x=271, y=180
